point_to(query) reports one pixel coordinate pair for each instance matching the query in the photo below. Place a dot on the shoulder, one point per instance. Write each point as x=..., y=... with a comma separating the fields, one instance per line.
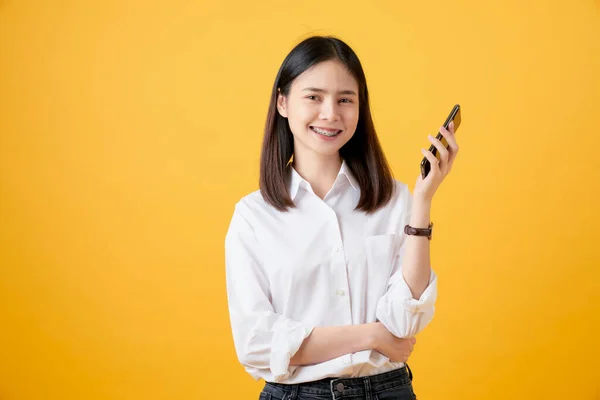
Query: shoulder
x=251, y=207
x=398, y=207
x=402, y=197
x=392, y=217
x=401, y=189
x=251, y=202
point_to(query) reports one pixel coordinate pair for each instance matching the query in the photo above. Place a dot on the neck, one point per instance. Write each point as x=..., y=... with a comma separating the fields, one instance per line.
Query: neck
x=320, y=171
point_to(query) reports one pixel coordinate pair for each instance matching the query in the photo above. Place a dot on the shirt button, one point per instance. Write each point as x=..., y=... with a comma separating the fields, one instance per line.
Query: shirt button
x=340, y=292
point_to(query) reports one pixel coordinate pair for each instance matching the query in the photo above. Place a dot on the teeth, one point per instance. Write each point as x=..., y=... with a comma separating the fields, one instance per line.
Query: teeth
x=325, y=133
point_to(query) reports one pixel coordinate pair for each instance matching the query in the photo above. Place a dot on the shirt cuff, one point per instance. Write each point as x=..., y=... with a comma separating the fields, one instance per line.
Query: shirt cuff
x=288, y=336
x=403, y=315
x=425, y=302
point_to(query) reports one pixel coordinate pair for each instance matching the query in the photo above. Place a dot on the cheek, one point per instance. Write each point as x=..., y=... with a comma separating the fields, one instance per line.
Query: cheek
x=303, y=115
x=297, y=120
x=351, y=117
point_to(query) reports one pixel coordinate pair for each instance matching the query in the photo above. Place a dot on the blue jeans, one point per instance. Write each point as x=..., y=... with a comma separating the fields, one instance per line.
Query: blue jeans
x=396, y=385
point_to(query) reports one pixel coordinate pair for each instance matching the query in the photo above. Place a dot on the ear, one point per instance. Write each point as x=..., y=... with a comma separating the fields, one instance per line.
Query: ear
x=281, y=104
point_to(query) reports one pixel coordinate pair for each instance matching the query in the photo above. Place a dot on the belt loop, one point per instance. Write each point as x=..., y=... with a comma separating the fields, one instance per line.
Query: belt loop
x=294, y=394
x=410, y=375
x=367, y=382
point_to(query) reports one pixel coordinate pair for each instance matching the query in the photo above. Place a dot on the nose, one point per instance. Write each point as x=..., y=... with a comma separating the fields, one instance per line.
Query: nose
x=329, y=110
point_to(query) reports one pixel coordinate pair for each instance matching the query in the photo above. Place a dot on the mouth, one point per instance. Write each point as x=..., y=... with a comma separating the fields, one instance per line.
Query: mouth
x=325, y=132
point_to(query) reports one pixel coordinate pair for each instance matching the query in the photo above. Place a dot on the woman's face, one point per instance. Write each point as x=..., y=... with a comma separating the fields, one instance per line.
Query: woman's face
x=321, y=108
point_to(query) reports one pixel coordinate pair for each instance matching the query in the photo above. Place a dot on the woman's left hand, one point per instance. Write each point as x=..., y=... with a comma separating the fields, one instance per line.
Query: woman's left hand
x=426, y=188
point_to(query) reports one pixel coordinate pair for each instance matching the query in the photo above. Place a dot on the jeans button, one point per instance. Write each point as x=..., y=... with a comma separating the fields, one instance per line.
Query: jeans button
x=340, y=387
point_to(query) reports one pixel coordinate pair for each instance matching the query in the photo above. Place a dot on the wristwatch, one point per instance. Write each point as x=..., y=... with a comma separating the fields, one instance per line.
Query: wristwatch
x=409, y=230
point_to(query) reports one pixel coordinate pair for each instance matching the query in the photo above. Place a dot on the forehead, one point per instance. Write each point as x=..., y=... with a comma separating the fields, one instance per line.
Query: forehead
x=330, y=75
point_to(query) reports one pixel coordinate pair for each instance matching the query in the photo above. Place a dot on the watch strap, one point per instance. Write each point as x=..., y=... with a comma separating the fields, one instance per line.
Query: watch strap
x=409, y=230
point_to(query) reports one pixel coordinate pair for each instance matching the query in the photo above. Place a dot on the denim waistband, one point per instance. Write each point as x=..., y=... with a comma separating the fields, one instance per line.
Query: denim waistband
x=344, y=387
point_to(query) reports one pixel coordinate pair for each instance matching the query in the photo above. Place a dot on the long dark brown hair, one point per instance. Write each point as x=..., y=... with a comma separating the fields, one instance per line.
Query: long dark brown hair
x=362, y=152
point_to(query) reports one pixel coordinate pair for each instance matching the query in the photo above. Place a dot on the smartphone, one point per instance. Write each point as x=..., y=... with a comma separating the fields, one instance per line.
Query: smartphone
x=453, y=116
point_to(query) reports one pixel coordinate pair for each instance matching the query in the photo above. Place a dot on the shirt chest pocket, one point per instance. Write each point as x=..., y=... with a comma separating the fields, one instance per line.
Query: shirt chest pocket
x=381, y=252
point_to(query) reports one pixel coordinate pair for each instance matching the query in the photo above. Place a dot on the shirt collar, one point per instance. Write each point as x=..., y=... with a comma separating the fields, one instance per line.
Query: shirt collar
x=345, y=171
x=296, y=181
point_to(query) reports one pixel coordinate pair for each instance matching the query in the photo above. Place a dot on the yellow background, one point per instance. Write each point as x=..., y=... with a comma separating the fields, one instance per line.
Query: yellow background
x=128, y=130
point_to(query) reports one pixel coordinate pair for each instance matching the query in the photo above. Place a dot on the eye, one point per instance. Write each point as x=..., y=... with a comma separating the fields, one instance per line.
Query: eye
x=311, y=97
x=346, y=100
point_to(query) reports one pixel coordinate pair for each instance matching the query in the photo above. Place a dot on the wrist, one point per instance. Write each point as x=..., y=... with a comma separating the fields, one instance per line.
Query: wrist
x=420, y=214
x=421, y=202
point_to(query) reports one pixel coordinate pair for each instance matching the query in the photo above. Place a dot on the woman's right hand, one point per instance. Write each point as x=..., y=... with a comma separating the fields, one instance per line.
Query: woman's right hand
x=394, y=348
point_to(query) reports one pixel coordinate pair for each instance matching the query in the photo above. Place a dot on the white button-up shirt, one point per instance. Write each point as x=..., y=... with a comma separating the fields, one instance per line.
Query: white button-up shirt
x=319, y=264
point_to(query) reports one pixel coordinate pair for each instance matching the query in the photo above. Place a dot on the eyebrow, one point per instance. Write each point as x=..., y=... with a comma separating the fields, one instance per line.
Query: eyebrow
x=314, y=89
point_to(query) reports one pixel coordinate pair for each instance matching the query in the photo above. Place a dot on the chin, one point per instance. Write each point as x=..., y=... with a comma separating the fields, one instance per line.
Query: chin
x=328, y=152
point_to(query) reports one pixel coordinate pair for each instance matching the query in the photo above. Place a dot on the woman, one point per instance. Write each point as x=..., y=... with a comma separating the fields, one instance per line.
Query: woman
x=326, y=291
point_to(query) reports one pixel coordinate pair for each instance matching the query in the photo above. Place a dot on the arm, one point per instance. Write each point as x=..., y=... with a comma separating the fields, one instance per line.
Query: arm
x=263, y=339
x=408, y=304
x=416, y=264
x=329, y=342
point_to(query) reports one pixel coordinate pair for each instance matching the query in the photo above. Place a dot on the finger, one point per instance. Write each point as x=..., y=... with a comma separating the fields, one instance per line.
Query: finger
x=414, y=340
x=435, y=167
x=451, y=139
x=451, y=127
x=444, y=155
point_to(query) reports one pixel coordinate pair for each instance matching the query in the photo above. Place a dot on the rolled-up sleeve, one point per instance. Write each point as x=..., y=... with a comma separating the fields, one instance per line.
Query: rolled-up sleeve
x=400, y=313
x=403, y=315
x=263, y=339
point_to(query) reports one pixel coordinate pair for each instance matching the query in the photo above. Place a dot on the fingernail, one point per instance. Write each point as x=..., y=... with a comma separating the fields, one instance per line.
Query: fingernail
x=430, y=137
